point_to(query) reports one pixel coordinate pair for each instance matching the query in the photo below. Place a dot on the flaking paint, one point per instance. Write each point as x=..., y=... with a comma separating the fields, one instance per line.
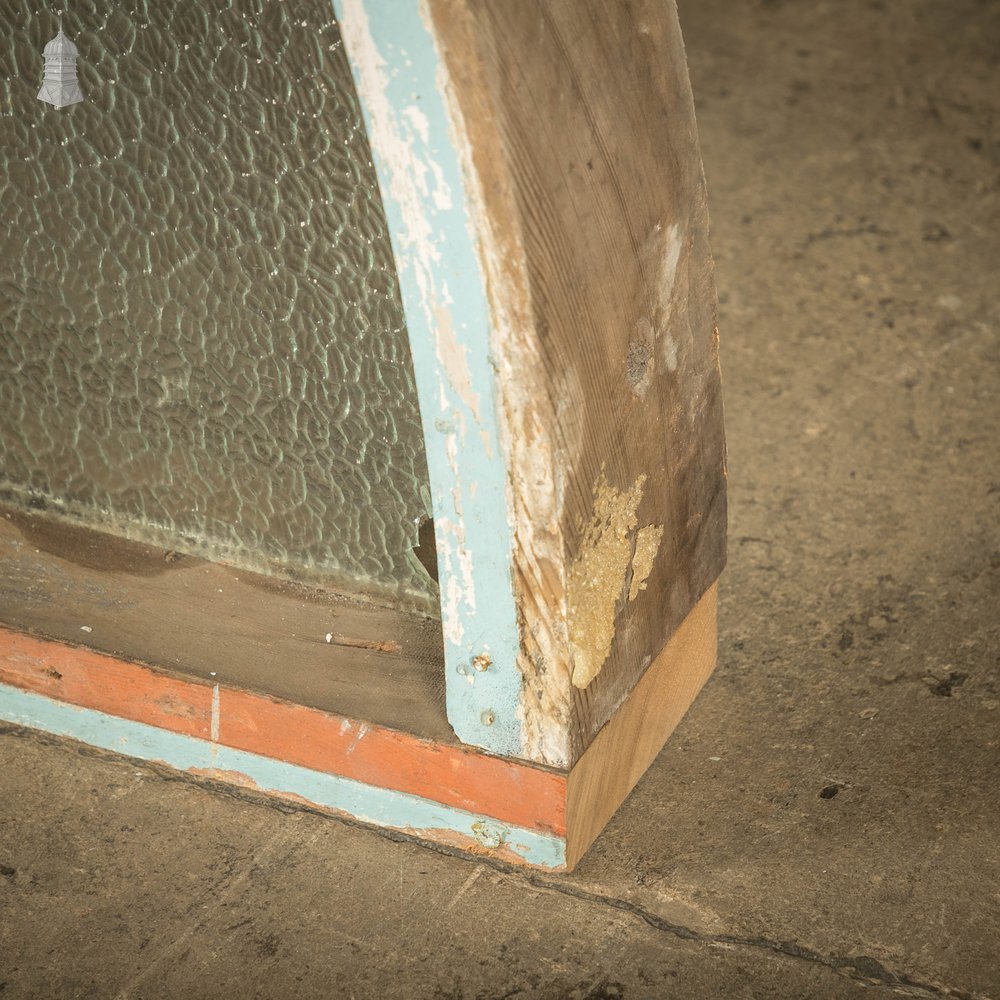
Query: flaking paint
x=535, y=462
x=401, y=81
x=613, y=555
x=367, y=803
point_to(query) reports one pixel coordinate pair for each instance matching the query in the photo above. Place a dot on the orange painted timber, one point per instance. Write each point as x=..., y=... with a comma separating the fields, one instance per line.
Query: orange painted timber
x=510, y=791
x=94, y=680
x=514, y=792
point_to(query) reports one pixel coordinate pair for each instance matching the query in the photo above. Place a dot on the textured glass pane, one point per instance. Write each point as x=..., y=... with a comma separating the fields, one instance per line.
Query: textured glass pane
x=201, y=338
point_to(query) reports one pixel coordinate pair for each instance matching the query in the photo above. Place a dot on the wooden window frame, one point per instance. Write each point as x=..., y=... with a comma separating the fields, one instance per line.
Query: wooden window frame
x=542, y=183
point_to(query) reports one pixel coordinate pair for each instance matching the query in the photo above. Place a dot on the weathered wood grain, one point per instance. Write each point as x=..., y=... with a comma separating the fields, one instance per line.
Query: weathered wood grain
x=578, y=127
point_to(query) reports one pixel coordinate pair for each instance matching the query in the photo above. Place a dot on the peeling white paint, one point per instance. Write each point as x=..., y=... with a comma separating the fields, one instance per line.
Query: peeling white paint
x=673, y=244
x=401, y=79
x=459, y=596
x=454, y=360
x=408, y=184
x=418, y=120
x=405, y=168
x=670, y=353
x=215, y=713
x=441, y=193
x=535, y=487
x=361, y=734
x=673, y=329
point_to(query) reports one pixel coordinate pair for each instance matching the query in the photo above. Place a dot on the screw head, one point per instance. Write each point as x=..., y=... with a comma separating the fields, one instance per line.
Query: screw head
x=482, y=662
x=487, y=718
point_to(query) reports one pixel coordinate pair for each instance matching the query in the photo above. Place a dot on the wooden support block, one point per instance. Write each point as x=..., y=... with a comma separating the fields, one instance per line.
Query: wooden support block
x=626, y=746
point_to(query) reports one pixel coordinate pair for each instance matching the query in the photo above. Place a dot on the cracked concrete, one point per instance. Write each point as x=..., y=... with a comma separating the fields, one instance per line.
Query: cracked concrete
x=825, y=821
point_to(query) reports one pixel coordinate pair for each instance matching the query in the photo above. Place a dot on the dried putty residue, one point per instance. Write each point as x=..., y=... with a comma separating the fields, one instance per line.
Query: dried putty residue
x=597, y=576
x=647, y=544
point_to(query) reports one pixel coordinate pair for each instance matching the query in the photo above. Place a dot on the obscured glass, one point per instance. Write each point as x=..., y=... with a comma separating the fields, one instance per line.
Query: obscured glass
x=201, y=339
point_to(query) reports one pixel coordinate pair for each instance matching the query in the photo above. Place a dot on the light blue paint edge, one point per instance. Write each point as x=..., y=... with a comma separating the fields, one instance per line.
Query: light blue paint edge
x=368, y=803
x=420, y=177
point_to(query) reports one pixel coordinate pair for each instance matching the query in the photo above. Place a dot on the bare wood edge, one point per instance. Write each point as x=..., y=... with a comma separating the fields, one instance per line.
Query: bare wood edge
x=622, y=751
x=526, y=415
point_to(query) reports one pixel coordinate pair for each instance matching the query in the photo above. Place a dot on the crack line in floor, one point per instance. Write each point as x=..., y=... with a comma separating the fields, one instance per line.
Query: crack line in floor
x=859, y=968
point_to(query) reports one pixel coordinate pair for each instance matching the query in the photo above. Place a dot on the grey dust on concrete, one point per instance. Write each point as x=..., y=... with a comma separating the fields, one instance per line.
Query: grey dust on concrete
x=825, y=822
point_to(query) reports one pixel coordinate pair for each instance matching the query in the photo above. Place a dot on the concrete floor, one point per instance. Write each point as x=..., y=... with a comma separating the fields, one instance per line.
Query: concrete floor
x=825, y=822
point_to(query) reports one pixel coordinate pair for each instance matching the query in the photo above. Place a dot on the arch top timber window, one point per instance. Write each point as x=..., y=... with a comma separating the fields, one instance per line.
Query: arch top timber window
x=361, y=405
